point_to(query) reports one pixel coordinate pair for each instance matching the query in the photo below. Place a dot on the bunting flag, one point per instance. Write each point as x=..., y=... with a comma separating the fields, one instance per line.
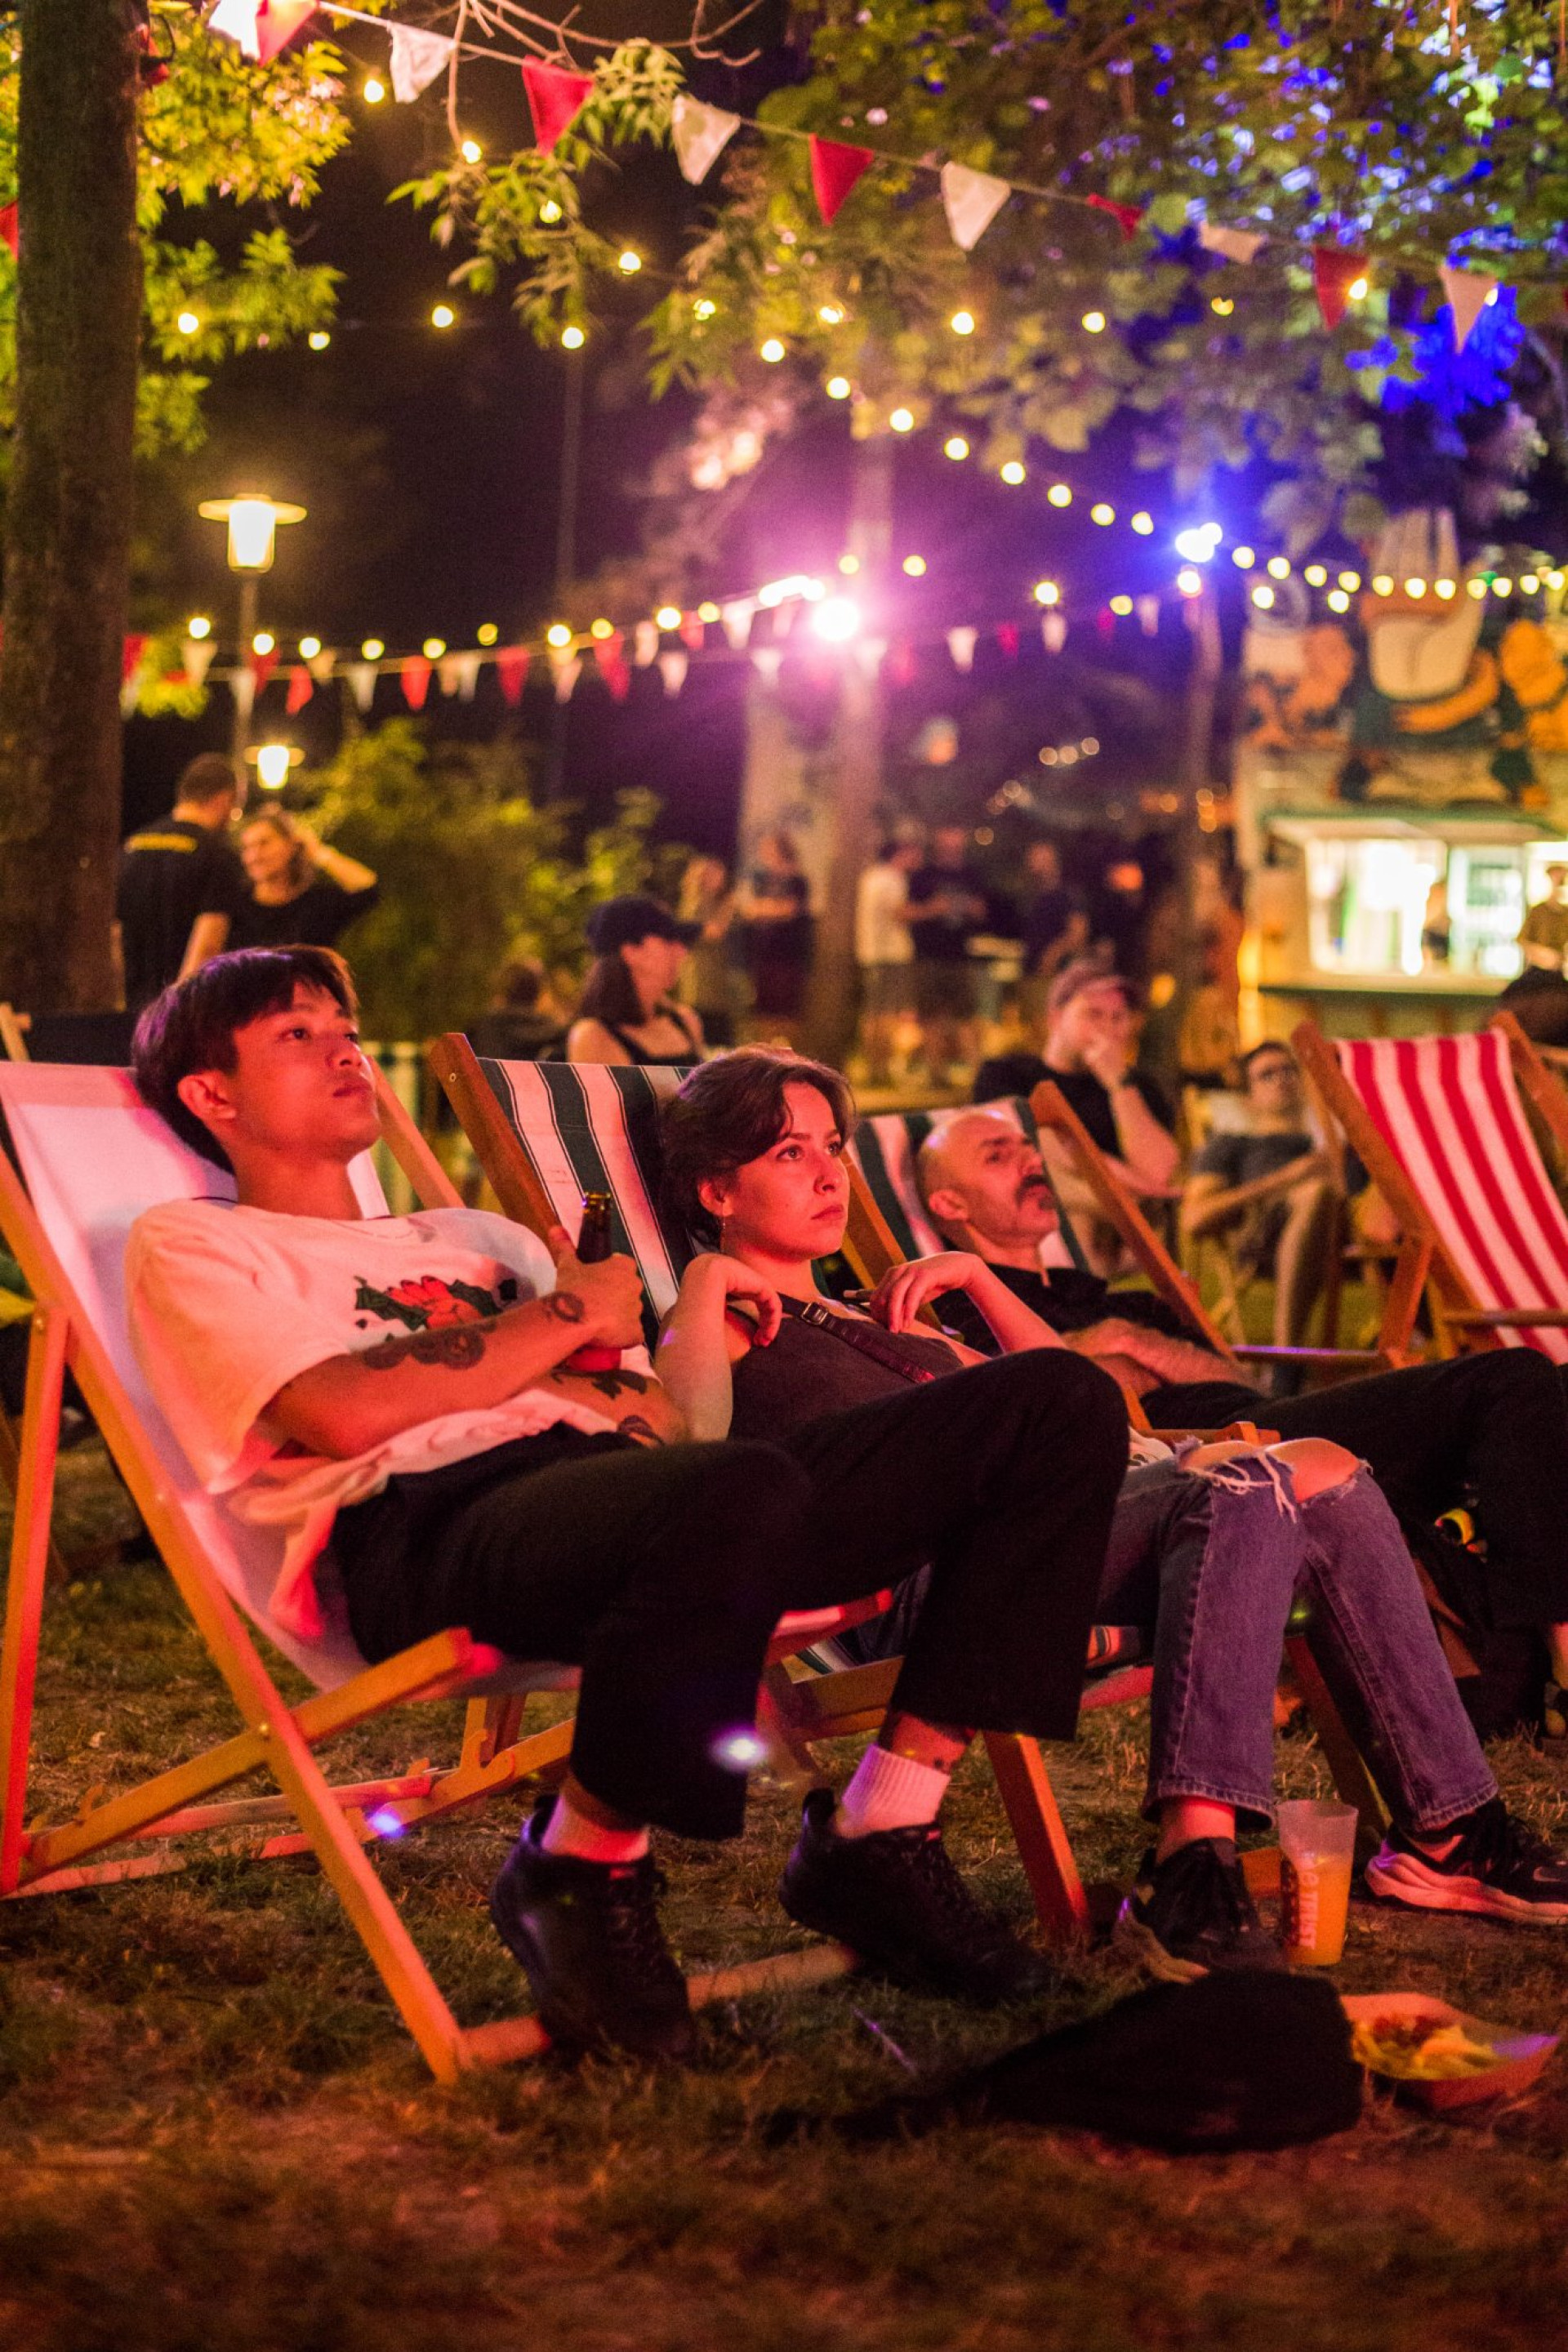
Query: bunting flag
x=835, y=168
x=565, y=672
x=1333, y=275
x=131, y=652
x=961, y=644
x=556, y=98
x=263, y=29
x=645, y=644
x=196, y=656
x=459, y=675
x=417, y=58
x=415, y=675
x=261, y=668
x=361, y=678
x=1007, y=639
x=784, y=620
x=242, y=686
x=1053, y=630
x=972, y=201
x=1126, y=216
x=1468, y=291
x=8, y=229
x=692, y=631
x=320, y=665
x=612, y=661
x=1243, y=245
x=737, y=618
x=700, y=134
x=672, y=667
x=1148, y=611
x=769, y=660
x=512, y=669
x=301, y=689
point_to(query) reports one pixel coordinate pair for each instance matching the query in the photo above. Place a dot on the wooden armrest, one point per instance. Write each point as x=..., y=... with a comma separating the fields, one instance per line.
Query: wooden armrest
x=1314, y=1355
x=1247, y=1432
x=1503, y=1318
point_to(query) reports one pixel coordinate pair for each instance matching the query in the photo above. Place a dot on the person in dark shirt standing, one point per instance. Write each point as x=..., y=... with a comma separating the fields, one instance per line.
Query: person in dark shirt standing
x=1055, y=926
x=181, y=884
x=1270, y=1189
x=301, y=893
x=948, y=906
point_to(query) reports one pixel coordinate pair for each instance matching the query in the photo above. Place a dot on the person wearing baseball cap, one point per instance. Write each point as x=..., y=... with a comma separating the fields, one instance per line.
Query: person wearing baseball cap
x=626, y=1014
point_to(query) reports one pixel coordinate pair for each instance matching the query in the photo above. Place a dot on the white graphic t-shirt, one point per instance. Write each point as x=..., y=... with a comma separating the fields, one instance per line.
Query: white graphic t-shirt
x=228, y=1304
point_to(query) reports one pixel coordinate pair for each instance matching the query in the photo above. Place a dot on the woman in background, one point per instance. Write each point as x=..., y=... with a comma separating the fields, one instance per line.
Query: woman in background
x=626, y=1014
x=712, y=983
x=303, y=893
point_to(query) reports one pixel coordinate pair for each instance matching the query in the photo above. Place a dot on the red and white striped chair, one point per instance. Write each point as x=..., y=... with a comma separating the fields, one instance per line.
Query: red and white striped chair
x=1442, y=1126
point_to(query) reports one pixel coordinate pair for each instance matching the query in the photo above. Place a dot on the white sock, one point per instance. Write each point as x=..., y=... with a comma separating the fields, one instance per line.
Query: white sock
x=571, y=1832
x=889, y=1792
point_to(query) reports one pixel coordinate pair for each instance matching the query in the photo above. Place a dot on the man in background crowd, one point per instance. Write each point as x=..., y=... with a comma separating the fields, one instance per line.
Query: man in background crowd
x=884, y=952
x=180, y=883
x=1270, y=1190
x=1055, y=926
x=948, y=908
x=1544, y=933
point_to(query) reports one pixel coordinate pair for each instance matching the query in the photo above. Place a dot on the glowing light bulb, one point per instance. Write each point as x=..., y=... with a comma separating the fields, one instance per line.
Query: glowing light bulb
x=629, y=263
x=708, y=610
x=263, y=642
x=1144, y=524
x=1502, y=587
x=433, y=649
x=1058, y=495
x=1315, y=576
x=601, y=629
x=1263, y=597
x=839, y=387
x=1416, y=588
x=1476, y=588
x=1528, y=583
x=1554, y=580
x=558, y=635
x=1337, y=601
x=573, y=338
x=550, y=212
x=319, y=338
x=471, y=151
x=272, y=765
x=1382, y=585
x=668, y=616
x=373, y=649
x=1046, y=593
x=1222, y=306
x=373, y=91
x=915, y=566
x=1013, y=473
x=309, y=648
x=1351, y=580
x=955, y=447
x=963, y=322
x=1445, y=588
x=1359, y=289
x=1093, y=322
x=850, y=565
x=830, y=314
x=902, y=420
x=486, y=632
x=443, y=315
x=835, y=620
x=1102, y=513
x=772, y=351
x=704, y=308
x=198, y=626
x=1279, y=567
x=1197, y=545
x=1121, y=606
x=1189, y=583
x=1243, y=557
x=188, y=323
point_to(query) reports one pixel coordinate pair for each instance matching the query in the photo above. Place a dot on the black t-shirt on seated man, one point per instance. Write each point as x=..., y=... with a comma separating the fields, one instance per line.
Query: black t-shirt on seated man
x=944, y=939
x=170, y=873
x=1020, y=1073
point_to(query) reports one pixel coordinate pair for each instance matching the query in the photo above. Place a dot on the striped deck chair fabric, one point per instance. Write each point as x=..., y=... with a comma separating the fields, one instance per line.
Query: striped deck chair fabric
x=1449, y=1110
x=886, y=1150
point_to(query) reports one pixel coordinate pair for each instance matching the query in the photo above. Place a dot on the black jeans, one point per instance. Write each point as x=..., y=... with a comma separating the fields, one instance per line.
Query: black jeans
x=662, y=1573
x=1492, y=1426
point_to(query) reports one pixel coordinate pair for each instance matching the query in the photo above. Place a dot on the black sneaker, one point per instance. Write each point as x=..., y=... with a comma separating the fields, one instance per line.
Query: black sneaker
x=1495, y=1866
x=1192, y=1913
x=588, y=1935
x=896, y=1900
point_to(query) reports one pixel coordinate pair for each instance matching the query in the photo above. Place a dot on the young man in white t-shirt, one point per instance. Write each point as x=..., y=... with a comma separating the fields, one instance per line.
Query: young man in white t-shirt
x=400, y=1389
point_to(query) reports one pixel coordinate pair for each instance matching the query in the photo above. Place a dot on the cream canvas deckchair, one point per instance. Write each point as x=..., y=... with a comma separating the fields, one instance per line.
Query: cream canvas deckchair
x=81, y=1157
x=545, y=1133
x=1441, y=1125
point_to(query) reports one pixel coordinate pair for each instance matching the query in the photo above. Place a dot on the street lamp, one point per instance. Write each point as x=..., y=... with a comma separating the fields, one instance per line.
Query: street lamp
x=253, y=523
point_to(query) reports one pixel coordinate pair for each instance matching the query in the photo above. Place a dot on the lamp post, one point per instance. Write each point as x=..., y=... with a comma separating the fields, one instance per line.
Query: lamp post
x=253, y=523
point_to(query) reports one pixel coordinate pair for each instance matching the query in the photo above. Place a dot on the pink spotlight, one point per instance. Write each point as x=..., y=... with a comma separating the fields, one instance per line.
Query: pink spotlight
x=835, y=620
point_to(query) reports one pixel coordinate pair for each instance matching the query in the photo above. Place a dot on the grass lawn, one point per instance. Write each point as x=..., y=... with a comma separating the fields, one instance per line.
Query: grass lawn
x=215, y=2135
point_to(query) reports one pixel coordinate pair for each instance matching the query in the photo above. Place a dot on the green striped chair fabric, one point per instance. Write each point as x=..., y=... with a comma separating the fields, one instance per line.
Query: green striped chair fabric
x=886, y=1150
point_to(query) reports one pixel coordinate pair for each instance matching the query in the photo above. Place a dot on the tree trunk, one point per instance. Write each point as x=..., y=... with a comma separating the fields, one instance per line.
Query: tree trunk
x=831, y=1007
x=69, y=503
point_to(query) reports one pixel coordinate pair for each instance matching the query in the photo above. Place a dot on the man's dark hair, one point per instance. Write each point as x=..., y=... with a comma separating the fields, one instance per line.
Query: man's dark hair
x=1538, y=1001
x=1255, y=1053
x=729, y=1113
x=609, y=994
x=207, y=777
x=192, y=1025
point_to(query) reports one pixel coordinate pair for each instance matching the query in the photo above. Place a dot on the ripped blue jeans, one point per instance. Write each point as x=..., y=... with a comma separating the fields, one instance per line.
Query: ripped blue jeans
x=1213, y=1561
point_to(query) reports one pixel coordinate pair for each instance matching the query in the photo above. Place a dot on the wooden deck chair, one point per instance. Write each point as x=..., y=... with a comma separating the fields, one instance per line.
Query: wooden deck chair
x=545, y=1133
x=1441, y=1125
x=81, y=1158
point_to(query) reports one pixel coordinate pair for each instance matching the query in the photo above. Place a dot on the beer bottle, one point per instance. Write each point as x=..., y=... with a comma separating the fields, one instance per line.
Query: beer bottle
x=594, y=1245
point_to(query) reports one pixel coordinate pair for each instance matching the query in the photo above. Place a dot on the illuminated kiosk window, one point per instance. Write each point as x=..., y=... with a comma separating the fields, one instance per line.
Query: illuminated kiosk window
x=1375, y=909
x=1366, y=903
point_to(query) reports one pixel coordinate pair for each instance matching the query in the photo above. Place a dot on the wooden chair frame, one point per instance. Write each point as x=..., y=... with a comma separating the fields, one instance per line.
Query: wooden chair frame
x=308, y=1814
x=1426, y=1266
x=856, y=1699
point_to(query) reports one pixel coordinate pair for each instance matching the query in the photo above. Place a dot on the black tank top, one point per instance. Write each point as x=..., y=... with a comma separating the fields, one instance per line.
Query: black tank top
x=644, y=1060
x=808, y=1371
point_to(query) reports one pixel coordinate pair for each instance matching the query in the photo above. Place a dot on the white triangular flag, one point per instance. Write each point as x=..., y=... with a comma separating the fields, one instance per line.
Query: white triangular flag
x=784, y=620
x=236, y=18
x=737, y=618
x=361, y=678
x=242, y=686
x=645, y=644
x=417, y=58
x=1054, y=630
x=460, y=674
x=700, y=134
x=566, y=672
x=870, y=653
x=1469, y=292
x=972, y=201
x=769, y=660
x=321, y=665
x=1235, y=244
x=672, y=667
x=961, y=644
x=195, y=655
x=1148, y=611
x=130, y=692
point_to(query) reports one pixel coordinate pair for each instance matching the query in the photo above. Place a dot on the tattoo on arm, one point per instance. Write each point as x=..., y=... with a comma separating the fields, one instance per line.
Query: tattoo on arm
x=636, y=1427
x=458, y=1346
x=610, y=1384
x=565, y=1305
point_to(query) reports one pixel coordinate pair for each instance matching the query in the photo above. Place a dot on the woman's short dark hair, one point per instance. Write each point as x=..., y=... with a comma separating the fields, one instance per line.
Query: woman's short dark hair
x=729, y=1112
x=192, y=1025
x=609, y=994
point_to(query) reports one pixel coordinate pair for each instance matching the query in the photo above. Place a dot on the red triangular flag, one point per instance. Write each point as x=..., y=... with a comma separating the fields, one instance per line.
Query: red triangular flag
x=261, y=668
x=277, y=22
x=1126, y=216
x=1007, y=639
x=301, y=689
x=835, y=168
x=129, y=658
x=692, y=631
x=612, y=663
x=511, y=669
x=1333, y=275
x=554, y=99
x=415, y=680
x=8, y=226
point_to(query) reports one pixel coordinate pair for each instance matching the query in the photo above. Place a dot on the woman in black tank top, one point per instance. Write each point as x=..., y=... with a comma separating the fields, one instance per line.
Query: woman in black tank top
x=626, y=1014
